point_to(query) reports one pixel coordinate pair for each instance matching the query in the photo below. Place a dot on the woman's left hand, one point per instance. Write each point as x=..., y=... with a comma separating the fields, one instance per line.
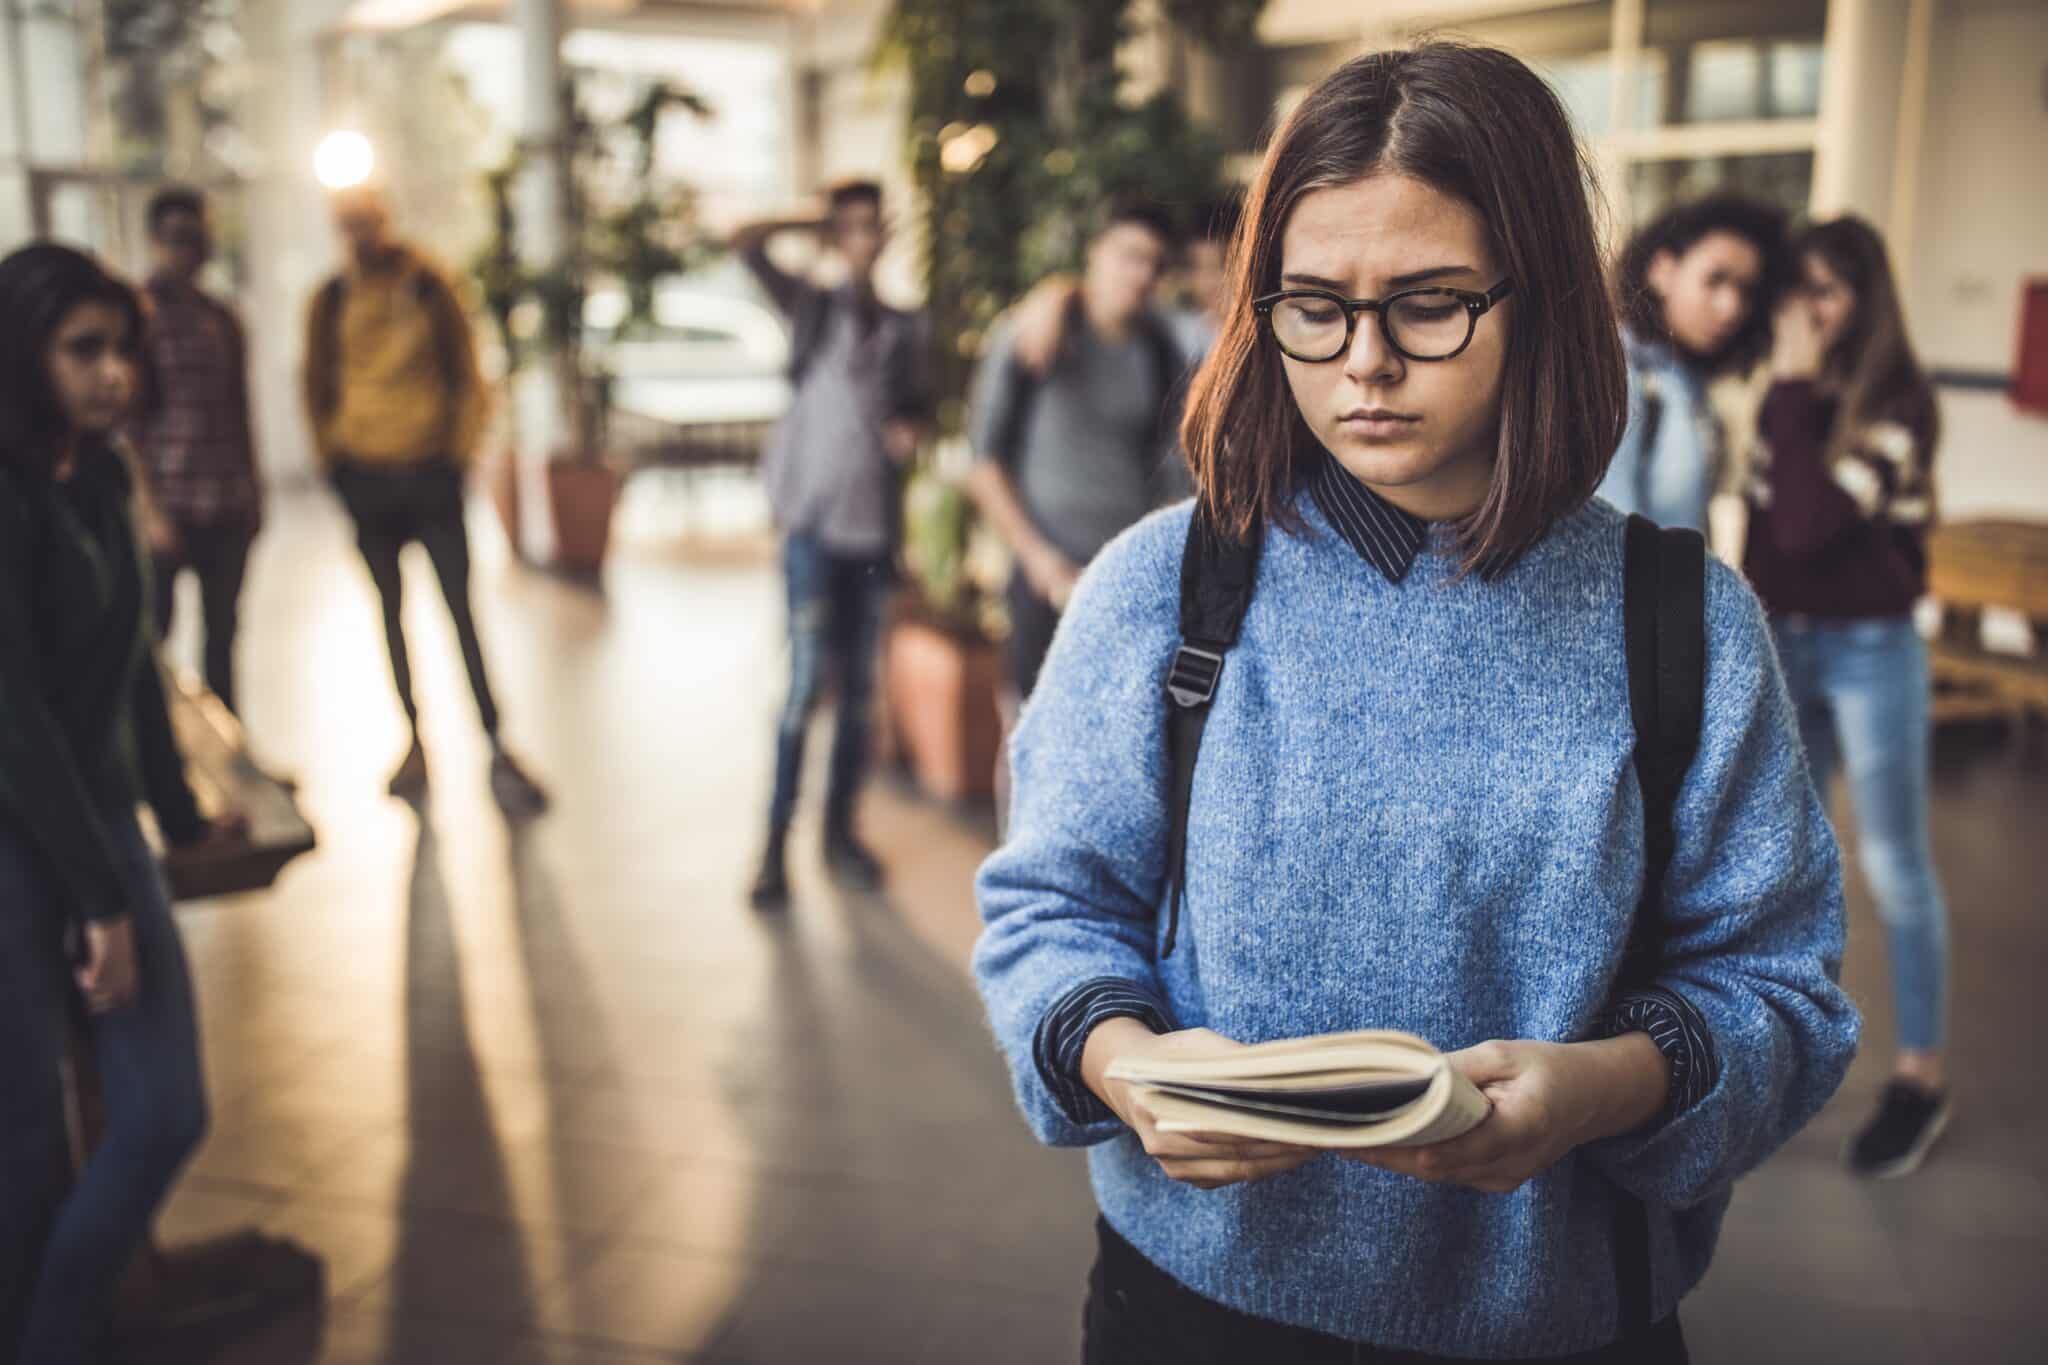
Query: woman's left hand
x=1547, y=1099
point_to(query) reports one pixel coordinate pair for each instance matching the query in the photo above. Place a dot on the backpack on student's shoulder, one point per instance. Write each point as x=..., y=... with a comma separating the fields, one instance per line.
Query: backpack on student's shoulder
x=1169, y=374
x=1664, y=640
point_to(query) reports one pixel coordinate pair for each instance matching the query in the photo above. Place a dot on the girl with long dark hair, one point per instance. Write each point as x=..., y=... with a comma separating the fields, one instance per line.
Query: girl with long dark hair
x=1695, y=287
x=1841, y=495
x=1416, y=806
x=85, y=924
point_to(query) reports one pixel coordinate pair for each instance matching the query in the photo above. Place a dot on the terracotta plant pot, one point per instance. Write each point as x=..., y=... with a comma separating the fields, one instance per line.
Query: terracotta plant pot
x=941, y=697
x=581, y=497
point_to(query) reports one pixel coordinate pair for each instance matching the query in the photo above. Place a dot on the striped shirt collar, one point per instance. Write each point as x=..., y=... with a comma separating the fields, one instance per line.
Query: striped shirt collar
x=1387, y=537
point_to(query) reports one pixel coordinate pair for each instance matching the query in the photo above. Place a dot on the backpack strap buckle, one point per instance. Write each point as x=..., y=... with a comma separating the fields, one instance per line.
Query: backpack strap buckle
x=1191, y=681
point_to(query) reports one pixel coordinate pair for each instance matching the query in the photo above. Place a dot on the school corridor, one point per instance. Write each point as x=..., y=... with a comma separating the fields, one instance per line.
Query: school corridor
x=554, y=1093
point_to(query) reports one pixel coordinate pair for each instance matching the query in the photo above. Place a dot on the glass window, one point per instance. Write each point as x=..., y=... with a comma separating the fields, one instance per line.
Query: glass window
x=1732, y=80
x=16, y=226
x=1732, y=61
x=1585, y=82
x=1784, y=178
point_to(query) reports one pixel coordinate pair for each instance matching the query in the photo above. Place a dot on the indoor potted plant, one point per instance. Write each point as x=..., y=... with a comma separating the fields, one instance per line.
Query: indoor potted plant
x=942, y=666
x=1018, y=131
x=628, y=228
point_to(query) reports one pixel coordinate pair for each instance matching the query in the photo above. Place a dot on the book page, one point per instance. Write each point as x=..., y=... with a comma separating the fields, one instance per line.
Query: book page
x=1369, y=1053
x=1453, y=1106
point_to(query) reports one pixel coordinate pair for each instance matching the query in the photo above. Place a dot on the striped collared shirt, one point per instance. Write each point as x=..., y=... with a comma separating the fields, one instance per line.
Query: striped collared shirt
x=1387, y=537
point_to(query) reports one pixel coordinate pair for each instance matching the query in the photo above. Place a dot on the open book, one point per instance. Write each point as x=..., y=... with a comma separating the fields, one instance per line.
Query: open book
x=1373, y=1088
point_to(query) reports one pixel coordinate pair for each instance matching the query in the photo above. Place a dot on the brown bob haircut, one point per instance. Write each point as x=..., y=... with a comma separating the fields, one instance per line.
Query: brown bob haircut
x=1474, y=123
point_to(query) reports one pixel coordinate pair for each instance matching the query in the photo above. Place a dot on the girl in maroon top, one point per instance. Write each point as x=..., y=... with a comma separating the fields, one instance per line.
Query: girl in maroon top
x=1841, y=496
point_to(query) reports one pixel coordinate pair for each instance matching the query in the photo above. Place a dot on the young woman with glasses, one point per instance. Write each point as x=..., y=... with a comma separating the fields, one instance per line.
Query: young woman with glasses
x=1415, y=806
x=1841, y=494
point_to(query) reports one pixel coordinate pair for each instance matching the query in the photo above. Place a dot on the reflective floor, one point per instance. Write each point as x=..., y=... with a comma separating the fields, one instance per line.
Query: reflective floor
x=554, y=1093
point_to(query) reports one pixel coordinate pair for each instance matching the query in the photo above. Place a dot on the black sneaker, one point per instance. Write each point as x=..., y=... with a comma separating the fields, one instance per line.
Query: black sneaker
x=850, y=864
x=1897, y=1138
x=771, y=883
x=411, y=777
x=518, y=794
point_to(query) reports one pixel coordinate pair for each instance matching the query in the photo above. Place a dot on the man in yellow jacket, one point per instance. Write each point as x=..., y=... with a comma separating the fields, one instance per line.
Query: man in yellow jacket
x=396, y=403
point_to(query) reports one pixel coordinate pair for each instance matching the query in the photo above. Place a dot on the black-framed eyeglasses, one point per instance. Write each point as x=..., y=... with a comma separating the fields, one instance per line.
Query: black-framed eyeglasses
x=1428, y=323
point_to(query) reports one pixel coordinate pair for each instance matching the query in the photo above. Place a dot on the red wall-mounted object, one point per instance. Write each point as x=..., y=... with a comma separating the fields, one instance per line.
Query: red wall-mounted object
x=2030, y=367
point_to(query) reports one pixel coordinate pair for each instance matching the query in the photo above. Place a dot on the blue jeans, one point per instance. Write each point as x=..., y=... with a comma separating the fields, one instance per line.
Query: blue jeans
x=1863, y=693
x=62, y=1255
x=836, y=604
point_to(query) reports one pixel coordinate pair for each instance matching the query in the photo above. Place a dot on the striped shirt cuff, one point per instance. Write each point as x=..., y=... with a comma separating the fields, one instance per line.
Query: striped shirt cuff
x=1680, y=1034
x=1063, y=1034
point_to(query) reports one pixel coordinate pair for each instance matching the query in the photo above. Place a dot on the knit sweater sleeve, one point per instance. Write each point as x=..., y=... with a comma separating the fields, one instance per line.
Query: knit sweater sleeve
x=1072, y=895
x=1753, y=929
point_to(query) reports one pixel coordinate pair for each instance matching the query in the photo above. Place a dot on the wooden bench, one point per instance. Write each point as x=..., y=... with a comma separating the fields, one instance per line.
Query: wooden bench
x=1974, y=566
x=223, y=777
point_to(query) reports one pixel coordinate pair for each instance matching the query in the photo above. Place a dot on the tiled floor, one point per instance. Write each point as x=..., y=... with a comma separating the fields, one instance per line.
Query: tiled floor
x=554, y=1094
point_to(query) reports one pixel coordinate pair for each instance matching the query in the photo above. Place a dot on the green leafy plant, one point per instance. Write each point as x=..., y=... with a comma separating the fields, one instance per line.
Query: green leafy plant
x=628, y=228
x=160, y=53
x=1018, y=135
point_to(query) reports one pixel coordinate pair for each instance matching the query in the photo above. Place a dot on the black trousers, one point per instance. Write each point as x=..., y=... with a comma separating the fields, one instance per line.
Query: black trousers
x=1137, y=1314
x=1033, y=621
x=219, y=557
x=393, y=506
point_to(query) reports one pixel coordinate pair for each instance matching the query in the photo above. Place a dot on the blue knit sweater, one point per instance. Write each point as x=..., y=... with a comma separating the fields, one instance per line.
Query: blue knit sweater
x=1415, y=809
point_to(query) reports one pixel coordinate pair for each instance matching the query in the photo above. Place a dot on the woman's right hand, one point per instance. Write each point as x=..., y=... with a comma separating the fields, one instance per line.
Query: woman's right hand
x=1207, y=1161
x=108, y=978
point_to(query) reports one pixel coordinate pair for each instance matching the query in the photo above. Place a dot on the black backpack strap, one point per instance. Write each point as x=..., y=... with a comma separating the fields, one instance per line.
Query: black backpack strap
x=1664, y=613
x=1217, y=574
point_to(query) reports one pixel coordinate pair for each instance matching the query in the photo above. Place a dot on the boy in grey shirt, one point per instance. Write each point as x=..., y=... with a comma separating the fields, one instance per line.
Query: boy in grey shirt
x=1069, y=456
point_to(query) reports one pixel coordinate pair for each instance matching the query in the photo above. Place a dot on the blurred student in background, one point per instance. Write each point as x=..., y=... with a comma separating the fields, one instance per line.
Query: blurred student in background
x=85, y=919
x=1072, y=443
x=1841, y=495
x=396, y=404
x=833, y=471
x=1695, y=288
x=1197, y=316
x=195, y=438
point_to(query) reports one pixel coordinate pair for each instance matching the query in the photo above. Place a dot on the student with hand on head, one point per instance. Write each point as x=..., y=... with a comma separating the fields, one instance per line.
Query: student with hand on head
x=1841, y=497
x=1695, y=288
x=833, y=471
x=1413, y=640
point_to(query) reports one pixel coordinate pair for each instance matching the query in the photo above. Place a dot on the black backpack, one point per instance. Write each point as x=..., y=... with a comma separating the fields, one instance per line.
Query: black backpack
x=1664, y=627
x=1170, y=374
